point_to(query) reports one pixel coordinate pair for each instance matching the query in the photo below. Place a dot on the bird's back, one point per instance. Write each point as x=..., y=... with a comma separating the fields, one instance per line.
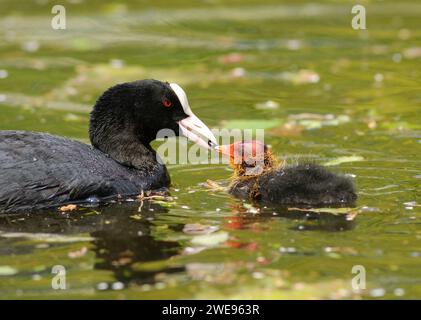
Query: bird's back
x=307, y=184
x=302, y=184
x=39, y=170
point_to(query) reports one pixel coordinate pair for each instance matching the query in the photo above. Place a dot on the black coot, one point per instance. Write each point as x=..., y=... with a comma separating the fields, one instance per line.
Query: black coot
x=39, y=170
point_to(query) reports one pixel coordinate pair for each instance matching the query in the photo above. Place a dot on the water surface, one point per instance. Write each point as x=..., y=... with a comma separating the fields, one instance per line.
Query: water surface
x=322, y=90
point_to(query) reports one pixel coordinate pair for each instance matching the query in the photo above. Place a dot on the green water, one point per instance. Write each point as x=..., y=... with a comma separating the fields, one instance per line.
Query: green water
x=231, y=57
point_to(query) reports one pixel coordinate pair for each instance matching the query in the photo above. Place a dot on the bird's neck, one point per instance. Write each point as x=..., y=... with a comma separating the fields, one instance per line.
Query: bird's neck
x=128, y=151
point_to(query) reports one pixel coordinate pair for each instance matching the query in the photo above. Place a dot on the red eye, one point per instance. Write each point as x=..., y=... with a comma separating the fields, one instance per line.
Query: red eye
x=167, y=103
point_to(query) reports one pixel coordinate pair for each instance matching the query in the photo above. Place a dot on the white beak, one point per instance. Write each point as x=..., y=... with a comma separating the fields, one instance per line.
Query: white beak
x=192, y=127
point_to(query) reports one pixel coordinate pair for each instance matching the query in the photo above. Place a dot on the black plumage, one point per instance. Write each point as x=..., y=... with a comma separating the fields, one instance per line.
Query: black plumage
x=259, y=178
x=39, y=170
x=302, y=184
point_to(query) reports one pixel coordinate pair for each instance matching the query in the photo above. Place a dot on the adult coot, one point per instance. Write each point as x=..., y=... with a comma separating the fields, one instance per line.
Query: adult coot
x=259, y=178
x=39, y=170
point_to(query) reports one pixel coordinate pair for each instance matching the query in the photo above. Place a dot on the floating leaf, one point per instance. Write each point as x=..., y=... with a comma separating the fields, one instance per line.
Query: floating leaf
x=210, y=239
x=311, y=116
x=291, y=128
x=308, y=121
x=78, y=253
x=214, y=186
x=7, y=271
x=412, y=53
x=165, y=204
x=400, y=125
x=197, y=228
x=352, y=214
x=334, y=255
x=316, y=121
x=71, y=117
x=82, y=44
x=334, y=211
x=193, y=250
x=412, y=204
x=69, y=207
x=45, y=237
x=268, y=105
x=344, y=159
x=311, y=124
x=301, y=77
x=231, y=58
x=155, y=195
x=251, y=123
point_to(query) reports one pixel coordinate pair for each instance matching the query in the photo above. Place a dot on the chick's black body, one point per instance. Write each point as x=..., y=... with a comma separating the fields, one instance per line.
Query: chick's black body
x=39, y=170
x=302, y=184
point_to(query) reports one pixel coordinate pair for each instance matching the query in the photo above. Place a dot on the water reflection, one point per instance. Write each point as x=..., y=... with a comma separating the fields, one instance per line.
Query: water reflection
x=119, y=239
x=244, y=216
x=124, y=241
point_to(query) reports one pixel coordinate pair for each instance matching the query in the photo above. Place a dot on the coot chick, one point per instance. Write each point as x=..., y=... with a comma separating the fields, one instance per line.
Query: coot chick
x=39, y=170
x=259, y=178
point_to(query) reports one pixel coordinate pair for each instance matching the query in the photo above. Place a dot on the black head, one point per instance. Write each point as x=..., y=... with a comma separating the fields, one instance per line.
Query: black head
x=133, y=113
x=136, y=110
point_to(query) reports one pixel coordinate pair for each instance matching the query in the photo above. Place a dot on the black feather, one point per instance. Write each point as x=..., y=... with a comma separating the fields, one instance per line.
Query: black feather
x=38, y=170
x=302, y=184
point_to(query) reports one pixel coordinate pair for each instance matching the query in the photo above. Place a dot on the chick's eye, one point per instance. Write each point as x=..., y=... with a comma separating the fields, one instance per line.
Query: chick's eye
x=167, y=103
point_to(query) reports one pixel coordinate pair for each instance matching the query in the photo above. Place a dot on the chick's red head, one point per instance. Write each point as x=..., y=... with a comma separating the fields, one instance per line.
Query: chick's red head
x=247, y=157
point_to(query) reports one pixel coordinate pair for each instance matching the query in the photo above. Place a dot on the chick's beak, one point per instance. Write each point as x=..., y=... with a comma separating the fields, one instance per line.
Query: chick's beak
x=226, y=150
